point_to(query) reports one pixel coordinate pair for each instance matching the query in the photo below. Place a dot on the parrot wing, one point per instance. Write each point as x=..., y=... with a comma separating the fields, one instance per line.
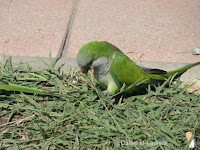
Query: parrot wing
x=153, y=71
x=124, y=70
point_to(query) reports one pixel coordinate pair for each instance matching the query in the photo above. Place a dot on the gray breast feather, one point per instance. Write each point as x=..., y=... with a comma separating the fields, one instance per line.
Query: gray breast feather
x=101, y=66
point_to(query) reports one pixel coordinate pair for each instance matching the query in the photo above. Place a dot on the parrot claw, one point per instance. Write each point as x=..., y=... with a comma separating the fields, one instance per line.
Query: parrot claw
x=112, y=100
x=106, y=93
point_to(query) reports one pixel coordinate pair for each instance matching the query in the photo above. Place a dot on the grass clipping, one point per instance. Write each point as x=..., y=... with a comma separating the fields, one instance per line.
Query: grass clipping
x=69, y=111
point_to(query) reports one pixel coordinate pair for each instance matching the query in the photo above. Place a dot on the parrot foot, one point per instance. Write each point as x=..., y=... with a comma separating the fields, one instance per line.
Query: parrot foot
x=112, y=100
x=106, y=93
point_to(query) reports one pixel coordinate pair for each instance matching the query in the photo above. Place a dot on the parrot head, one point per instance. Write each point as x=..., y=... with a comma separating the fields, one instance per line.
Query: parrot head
x=94, y=54
x=84, y=59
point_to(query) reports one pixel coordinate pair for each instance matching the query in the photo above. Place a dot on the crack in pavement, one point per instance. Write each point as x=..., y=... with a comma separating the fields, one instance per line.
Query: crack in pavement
x=64, y=44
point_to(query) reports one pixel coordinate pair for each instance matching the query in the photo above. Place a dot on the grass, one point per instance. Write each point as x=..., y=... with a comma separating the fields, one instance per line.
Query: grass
x=73, y=113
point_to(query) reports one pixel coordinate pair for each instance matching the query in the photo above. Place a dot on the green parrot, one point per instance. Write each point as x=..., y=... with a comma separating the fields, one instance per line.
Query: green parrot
x=113, y=69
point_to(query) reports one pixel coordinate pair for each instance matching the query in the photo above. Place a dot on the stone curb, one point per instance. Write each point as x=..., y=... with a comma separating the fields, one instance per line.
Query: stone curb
x=37, y=64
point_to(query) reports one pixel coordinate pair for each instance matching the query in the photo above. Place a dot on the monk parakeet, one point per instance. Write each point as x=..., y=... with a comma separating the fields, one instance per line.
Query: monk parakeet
x=113, y=69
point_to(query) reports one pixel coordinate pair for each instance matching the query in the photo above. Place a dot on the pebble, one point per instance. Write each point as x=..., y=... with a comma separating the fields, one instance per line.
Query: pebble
x=196, y=51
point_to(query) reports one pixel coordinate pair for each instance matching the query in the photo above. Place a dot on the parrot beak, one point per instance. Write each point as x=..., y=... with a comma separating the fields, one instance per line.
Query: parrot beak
x=85, y=70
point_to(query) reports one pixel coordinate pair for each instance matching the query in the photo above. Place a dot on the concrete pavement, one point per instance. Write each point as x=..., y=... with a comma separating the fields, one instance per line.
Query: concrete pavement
x=158, y=31
x=153, y=33
x=33, y=28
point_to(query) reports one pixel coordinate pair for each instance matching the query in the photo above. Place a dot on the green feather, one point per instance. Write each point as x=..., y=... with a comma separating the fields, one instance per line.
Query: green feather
x=178, y=72
x=127, y=71
x=115, y=78
x=181, y=70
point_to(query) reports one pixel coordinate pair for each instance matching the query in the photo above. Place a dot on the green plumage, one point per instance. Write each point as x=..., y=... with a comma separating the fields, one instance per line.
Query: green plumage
x=113, y=68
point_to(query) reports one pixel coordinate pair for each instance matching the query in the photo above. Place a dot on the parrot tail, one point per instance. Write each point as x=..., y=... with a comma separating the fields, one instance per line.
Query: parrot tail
x=180, y=71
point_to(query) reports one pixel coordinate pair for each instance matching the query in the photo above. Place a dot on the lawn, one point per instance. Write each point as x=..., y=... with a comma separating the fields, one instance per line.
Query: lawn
x=71, y=112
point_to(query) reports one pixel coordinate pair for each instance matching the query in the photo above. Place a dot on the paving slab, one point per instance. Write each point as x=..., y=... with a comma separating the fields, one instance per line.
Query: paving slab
x=156, y=31
x=33, y=28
